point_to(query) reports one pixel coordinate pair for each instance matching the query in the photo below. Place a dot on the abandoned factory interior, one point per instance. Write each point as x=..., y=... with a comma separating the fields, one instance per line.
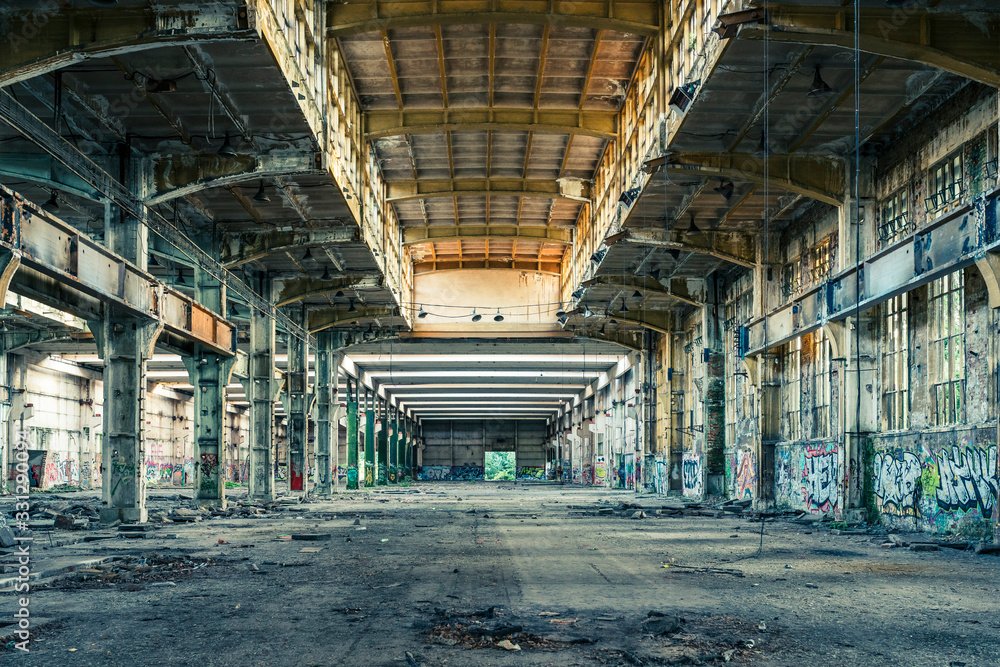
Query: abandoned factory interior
x=499, y=332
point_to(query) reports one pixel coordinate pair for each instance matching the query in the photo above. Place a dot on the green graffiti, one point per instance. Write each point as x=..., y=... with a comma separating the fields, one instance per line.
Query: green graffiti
x=930, y=480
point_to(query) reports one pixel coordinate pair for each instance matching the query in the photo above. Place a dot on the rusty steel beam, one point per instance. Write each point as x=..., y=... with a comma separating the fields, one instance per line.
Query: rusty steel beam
x=679, y=289
x=300, y=289
x=956, y=42
x=638, y=17
x=559, y=235
x=734, y=247
x=330, y=318
x=406, y=190
x=390, y=123
x=51, y=37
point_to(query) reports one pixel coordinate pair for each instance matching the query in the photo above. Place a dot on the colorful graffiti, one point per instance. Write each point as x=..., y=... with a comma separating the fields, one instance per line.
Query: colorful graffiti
x=782, y=473
x=530, y=472
x=746, y=474
x=895, y=478
x=468, y=473
x=968, y=479
x=435, y=473
x=691, y=475
x=601, y=471
x=821, y=478
x=628, y=470
x=59, y=471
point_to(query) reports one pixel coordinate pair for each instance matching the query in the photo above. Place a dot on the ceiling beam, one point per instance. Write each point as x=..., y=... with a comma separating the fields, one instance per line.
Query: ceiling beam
x=247, y=247
x=637, y=17
x=679, y=289
x=329, y=318
x=300, y=289
x=559, y=235
x=816, y=177
x=407, y=190
x=390, y=123
x=734, y=247
x=181, y=175
x=963, y=44
x=41, y=40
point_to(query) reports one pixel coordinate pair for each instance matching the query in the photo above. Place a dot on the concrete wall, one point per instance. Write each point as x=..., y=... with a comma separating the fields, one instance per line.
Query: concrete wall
x=455, y=449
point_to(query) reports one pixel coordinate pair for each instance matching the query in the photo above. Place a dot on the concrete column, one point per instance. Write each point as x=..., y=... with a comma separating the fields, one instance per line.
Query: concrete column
x=125, y=344
x=327, y=361
x=393, y=473
x=403, y=454
x=298, y=407
x=262, y=391
x=369, y=440
x=383, y=441
x=209, y=373
x=352, y=436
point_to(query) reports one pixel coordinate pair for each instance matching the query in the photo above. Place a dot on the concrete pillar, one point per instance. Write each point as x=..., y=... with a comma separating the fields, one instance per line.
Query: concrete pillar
x=298, y=407
x=393, y=472
x=383, y=441
x=262, y=391
x=209, y=373
x=125, y=344
x=352, y=435
x=369, y=439
x=405, y=474
x=327, y=361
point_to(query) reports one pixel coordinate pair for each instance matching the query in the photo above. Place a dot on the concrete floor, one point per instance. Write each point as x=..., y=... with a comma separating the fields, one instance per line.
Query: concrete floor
x=426, y=570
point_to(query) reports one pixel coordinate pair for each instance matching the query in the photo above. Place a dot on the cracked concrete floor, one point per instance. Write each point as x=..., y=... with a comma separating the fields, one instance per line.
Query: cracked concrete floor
x=425, y=571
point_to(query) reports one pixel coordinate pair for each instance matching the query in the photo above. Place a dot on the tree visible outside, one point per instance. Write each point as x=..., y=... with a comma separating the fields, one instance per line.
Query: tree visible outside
x=500, y=465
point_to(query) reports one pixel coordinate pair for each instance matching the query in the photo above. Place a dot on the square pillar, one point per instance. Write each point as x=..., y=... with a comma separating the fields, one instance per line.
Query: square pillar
x=262, y=391
x=327, y=361
x=369, y=440
x=298, y=407
x=352, y=436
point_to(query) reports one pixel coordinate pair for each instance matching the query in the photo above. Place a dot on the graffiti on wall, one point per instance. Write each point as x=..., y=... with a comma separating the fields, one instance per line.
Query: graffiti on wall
x=895, y=478
x=782, y=473
x=530, y=472
x=600, y=471
x=691, y=475
x=746, y=474
x=467, y=473
x=628, y=470
x=967, y=479
x=435, y=473
x=820, y=478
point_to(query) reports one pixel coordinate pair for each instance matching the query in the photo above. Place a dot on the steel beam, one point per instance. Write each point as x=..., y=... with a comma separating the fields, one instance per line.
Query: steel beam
x=956, y=42
x=182, y=175
x=52, y=37
x=21, y=119
x=246, y=247
x=638, y=17
x=816, y=177
x=954, y=241
x=380, y=124
x=573, y=189
x=45, y=171
x=557, y=235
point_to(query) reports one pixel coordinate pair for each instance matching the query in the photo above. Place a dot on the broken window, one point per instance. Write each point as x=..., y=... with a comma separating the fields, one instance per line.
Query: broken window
x=791, y=390
x=895, y=221
x=821, y=260
x=946, y=184
x=820, y=390
x=895, y=365
x=947, y=354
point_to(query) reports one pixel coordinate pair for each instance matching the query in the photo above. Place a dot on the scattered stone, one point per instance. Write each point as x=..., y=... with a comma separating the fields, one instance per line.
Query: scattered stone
x=639, y=514
x=811, y=586
x=984, y=548
x=923, y=547
x=508, y=645
x=897, y=540
x=658, y=623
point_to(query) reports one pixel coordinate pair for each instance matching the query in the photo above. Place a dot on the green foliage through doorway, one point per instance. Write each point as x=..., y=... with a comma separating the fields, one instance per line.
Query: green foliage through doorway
x=500, y=465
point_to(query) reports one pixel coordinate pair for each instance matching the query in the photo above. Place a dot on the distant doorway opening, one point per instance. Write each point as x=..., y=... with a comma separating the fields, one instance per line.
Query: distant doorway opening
x=500, y=466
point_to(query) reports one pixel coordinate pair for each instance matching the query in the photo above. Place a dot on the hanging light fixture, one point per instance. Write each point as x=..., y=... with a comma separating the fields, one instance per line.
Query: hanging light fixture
x=261, y=196
x=655, y=273
x=819, y=87
x=674, y=252
x=763, y=150
x=637, y=294
x=476, y=316
x=351, y=308
x=598, y=256
x=326, y=277
x=693, y=228
x=422, y=314
x=152, y=261
x=624, y=306
x=308, y=255
x=226, y=149
x=234, y=311
x=578, y=293
x=180, y=278
x=726, y=189
x=498, y=317
x=52, y=204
